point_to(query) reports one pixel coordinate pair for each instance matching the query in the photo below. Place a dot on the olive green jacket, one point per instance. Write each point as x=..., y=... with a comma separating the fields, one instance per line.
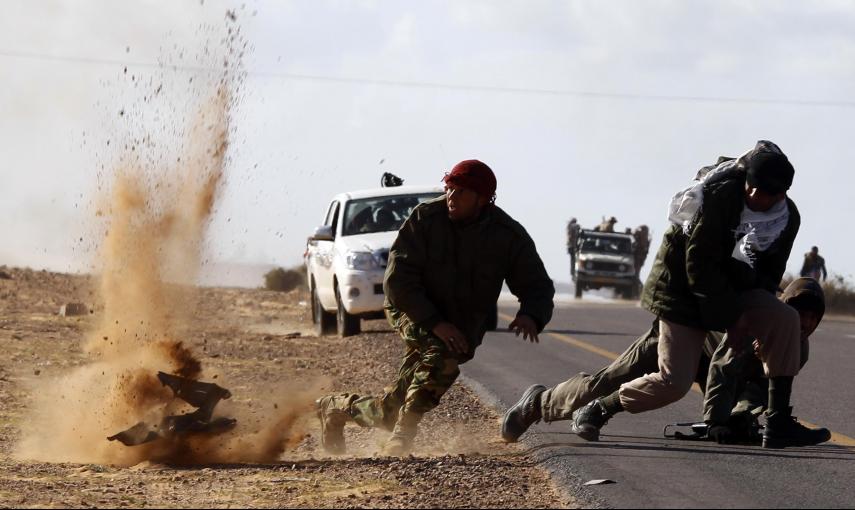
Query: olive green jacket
x=695, y=281
x=442, y=271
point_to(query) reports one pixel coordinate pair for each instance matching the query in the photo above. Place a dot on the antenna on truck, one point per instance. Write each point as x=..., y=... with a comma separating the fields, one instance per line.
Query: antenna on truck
x=390, y=180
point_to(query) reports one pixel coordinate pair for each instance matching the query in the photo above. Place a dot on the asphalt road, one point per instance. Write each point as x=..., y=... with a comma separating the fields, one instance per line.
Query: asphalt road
x=651, y=471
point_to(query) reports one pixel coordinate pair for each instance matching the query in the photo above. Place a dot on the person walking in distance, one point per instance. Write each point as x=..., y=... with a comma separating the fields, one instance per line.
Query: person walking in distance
x=814, y=266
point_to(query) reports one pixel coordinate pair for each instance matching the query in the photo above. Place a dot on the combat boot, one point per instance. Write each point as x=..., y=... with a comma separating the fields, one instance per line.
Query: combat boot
x=783, y=430
x=522, y=415
x=332, y=420
x=587, y=421
x=403, y=436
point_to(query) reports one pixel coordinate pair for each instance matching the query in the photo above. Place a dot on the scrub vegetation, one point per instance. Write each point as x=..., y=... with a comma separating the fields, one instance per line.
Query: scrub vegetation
x=285, y=280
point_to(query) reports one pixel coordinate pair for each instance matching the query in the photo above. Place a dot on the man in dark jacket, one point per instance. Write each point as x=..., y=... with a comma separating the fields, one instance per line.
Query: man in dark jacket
x=717, y=269
x=445, y=273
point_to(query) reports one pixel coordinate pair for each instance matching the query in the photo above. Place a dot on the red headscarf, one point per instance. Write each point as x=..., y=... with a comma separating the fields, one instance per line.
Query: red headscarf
x=474, y=175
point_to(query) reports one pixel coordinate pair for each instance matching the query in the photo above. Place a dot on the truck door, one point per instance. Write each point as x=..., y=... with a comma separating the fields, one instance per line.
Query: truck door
x=324, y=260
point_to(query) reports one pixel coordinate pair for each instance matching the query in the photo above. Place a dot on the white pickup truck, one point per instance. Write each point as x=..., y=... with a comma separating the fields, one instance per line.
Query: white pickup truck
x=346, y=256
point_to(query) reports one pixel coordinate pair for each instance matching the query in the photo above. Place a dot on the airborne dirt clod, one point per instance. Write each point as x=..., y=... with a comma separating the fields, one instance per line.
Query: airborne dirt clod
x=240, y=336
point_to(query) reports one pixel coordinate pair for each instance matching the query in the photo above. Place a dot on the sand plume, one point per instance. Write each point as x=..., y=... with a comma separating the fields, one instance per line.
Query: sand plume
x=156, y=218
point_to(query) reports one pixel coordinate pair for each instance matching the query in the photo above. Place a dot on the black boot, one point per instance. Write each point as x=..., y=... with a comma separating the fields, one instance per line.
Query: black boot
x=523, y=414
x=783, y=430
x=588, y=420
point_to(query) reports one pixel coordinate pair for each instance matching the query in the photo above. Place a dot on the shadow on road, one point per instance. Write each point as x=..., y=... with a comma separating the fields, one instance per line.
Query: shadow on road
x=825, y=452
x=591, y=333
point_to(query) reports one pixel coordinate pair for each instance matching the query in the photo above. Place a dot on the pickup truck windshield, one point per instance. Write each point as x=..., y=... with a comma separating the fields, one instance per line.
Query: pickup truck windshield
x=607, y=245
x=380, y=214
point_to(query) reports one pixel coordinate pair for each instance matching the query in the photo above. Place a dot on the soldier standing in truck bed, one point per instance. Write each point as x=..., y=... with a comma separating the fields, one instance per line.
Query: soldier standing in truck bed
x=641, y=236
x=607, y=225
x=573, y=229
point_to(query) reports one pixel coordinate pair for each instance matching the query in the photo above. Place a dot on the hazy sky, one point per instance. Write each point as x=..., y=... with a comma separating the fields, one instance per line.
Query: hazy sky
x=582, y=108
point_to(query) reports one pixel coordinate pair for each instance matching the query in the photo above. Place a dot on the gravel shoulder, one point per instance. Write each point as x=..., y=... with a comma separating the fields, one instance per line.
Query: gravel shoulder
x=254, y=341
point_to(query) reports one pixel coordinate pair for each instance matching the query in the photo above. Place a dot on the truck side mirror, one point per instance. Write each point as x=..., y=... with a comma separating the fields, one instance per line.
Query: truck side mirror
x=323, y=233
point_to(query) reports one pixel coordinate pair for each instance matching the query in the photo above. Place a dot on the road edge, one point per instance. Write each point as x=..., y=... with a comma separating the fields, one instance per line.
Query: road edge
x=567, y=485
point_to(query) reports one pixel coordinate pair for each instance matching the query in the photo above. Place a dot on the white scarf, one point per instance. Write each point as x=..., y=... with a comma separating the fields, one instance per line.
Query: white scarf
x=684, y=206
x=756, y=230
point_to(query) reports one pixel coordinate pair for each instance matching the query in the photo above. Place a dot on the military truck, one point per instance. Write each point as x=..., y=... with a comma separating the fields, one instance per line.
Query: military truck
x=603, y=260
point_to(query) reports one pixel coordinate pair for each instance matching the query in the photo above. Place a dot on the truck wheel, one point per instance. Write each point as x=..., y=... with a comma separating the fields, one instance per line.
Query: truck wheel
x=324, y=321
x=578, y=290
x=628, y=292
x=346, y=324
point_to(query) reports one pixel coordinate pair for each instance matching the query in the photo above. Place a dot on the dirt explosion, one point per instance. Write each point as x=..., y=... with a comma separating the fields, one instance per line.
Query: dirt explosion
x=156, y=219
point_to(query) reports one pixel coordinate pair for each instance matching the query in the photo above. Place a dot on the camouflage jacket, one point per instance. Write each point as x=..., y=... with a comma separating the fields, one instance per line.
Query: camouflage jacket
x=441, y=271
x=695, y=281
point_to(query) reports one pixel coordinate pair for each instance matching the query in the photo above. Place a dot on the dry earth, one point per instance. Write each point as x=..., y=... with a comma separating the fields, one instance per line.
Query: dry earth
x=242, y=335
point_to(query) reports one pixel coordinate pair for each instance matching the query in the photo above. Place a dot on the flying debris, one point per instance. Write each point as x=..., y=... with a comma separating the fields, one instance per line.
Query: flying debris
x=204, y=396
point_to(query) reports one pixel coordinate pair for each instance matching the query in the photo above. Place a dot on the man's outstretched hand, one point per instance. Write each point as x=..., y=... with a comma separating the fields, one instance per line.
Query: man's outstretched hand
x=525, y=325
x=451, y=337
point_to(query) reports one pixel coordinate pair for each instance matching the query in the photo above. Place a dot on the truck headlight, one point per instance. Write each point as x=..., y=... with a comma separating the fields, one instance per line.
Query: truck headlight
x=361, y=260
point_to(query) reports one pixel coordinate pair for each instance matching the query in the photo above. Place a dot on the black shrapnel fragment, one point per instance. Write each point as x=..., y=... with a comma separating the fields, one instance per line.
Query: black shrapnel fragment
x=204, y=396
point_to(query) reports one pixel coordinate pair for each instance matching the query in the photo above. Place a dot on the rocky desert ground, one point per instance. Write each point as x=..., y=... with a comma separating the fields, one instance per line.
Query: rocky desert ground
x=259, y=344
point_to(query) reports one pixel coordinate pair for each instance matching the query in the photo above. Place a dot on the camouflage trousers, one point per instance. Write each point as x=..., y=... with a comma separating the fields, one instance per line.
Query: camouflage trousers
x=427, y=371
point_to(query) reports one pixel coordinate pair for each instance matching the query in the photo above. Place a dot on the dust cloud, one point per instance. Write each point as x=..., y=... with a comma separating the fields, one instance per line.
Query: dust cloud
x=154, y=217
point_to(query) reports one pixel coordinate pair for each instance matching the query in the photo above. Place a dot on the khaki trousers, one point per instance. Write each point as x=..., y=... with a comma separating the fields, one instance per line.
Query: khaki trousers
x=679, y=352
x=774, y=324
x=777, y=328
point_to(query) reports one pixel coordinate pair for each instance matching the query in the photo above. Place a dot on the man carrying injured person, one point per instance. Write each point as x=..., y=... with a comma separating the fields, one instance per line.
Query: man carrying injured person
x=444, y=276
x=718, y=267
x=734, y=385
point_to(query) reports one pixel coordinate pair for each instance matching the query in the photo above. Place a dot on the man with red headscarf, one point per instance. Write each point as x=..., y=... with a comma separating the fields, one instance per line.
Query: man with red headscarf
x=445, y=274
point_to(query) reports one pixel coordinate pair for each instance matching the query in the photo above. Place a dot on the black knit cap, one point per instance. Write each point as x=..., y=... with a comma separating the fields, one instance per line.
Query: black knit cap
x=769, y=170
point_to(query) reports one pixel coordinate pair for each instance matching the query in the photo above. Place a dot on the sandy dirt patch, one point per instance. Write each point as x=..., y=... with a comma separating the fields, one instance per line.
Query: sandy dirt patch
x=245, y=338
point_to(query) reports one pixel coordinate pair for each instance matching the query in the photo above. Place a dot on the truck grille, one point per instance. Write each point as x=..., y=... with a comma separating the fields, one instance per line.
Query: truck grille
x=605, y=266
